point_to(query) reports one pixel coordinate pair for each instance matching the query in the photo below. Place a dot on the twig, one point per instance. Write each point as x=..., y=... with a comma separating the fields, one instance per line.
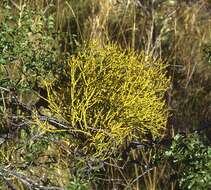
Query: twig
x=54, y=122
x=5, y=89
x=27, y=181
x=7, y=182
x=16, y=6
x=138, y=177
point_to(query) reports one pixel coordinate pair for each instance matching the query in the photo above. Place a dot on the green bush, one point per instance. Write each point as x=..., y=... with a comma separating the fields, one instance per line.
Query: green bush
x=78, y=184
x=28, y=49
x=191, y=159
x=111, y=96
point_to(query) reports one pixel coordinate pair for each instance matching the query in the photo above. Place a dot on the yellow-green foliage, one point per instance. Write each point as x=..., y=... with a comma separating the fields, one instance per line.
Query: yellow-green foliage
x=112, y=96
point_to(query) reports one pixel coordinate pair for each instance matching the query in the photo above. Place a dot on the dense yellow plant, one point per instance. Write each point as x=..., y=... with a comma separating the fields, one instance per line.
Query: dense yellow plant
x=112, y=95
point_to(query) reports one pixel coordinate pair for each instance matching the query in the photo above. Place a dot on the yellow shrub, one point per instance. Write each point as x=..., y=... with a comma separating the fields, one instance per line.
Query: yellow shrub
x=112, y=96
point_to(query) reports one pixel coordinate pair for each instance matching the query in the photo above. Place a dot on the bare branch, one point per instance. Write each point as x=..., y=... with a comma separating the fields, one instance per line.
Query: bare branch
x=27, y=181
